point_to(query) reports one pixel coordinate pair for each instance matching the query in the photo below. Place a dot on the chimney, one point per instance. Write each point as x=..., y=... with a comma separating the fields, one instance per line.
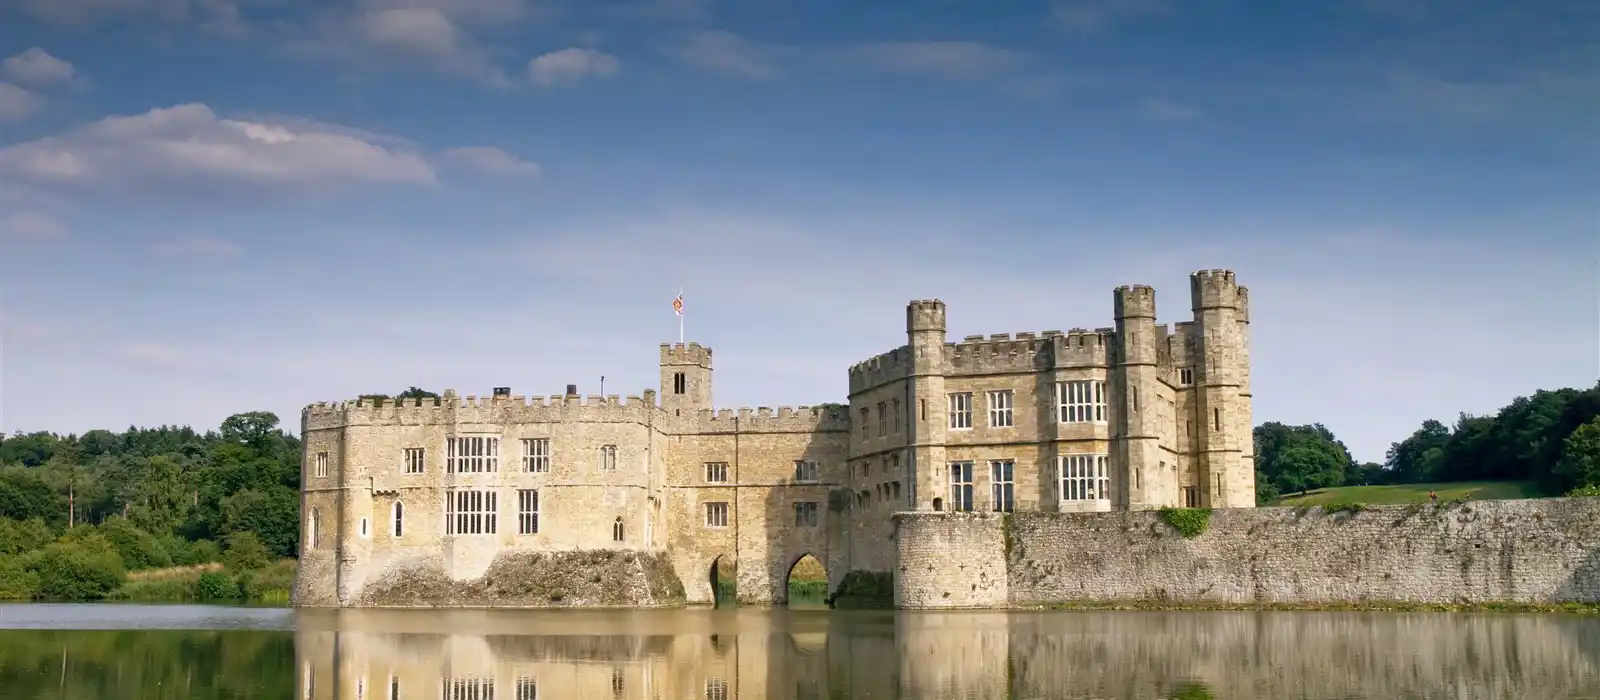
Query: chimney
x=572, y=390
x=502, y=392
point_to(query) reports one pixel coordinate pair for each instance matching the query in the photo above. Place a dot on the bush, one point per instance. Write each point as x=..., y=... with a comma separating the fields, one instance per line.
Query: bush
x=246, y=552
x=69, y=571
x=269, y=583
x=864, y=589
x=18, y=536
x=138, y=549
x=1189, y=522
x=1590, y=491
x=16, y=581
x=215, y=585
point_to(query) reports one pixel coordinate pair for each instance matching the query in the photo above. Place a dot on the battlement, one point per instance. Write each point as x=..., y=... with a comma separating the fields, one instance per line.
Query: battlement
x=925, y=315
x=691, y=354
x=783, y=419
x=611, y=408
x=1244, y=304
x=1133, y=301
x=1027, y=351
x=880, y=370
x=1213, y=289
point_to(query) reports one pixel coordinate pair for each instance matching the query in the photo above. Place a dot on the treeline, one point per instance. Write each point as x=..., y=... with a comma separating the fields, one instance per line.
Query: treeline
x=1551, y=439
x=78, y=513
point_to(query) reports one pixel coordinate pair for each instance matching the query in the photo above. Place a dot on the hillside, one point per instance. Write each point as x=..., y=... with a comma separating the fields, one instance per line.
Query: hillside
x=1414, y=493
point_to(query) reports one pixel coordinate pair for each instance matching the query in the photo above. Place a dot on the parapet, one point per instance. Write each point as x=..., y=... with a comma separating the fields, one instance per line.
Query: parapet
x=558, y=408
x=1028, y=351
x=1213, y=289
x=880, y=370
x=691, y=354
x=784, y=419
x=1244, y=305
x=925, y=315
x=1133, y=301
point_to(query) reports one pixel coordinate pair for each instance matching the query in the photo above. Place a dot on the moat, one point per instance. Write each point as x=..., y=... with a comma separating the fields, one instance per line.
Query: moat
x=98, y=652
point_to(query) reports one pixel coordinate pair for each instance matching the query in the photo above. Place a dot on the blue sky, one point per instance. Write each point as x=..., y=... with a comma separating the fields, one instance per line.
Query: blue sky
x=211, y=206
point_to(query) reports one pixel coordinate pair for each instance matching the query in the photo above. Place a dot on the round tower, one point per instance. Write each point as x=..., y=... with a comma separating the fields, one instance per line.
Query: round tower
x=1138, y=482
x=926, y=398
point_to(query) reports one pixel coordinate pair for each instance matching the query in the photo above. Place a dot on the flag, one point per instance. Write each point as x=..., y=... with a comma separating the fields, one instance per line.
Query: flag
x=677, y=305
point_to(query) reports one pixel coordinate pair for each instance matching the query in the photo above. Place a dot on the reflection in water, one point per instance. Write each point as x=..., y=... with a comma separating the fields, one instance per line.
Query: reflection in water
x=750, y=654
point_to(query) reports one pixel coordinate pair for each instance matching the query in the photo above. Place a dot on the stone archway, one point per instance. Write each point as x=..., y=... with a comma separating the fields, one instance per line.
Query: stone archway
x=724, y=581
x=806, y=582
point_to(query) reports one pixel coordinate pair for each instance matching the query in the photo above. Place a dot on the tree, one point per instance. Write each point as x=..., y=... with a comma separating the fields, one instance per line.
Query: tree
x=1580, y=456
x=1419, y=458
x=161, y=504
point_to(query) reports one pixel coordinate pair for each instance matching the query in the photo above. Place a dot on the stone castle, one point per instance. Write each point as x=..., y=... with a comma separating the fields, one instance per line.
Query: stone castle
x=424, y=502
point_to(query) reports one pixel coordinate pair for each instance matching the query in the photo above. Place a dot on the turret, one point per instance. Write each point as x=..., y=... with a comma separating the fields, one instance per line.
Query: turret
x=1135, y=434
x=925, y=334
x=1221, y=407
x=685, y=378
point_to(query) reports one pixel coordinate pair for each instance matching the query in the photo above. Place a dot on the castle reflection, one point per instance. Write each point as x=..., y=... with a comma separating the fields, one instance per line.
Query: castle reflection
x=779, y=654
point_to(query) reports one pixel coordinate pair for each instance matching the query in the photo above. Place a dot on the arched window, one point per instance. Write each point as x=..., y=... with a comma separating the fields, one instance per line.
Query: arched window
x=938, y=504
x=616, y=530
x=399, y=518
x=311, y=530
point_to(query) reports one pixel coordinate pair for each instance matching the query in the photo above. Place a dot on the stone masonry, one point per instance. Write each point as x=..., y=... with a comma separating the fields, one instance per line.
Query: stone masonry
x=401, y=497
x=1537, y=551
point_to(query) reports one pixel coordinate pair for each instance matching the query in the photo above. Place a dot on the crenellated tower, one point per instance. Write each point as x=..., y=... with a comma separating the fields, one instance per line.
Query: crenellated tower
x=1138, y=481
x=1221, y=405
x=925, y=334
x=685, y=378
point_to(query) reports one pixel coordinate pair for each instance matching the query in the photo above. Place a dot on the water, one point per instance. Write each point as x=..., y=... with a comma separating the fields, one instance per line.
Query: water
x=105, y=652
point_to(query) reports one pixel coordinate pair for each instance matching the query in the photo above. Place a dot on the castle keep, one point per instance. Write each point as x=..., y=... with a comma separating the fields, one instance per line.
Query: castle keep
x=457, y=502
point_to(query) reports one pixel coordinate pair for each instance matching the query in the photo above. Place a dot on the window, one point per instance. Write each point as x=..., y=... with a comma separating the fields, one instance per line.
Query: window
x=1000, y=409
x=924, y=403
x=472, y=454
x=469, y=689
x=469, y=512
x=716, y=689
x=805, y=470
x=1082, y=401
x=363, y=527
x=616, y=683
x=399, y=510
x=414, y=460
x=1083, y=478
x=717, y=514
x=1216, y=418
x=883, y=419
x=866, y=427
x=960, y=486
x=680, y=383
x=716, y=472
x=805, y=514
x=536, y=455
x=313, y=529
x=527, y=689
x=897, y=416
x=322, y=464
x=1185, y=376
x=527, y=511
x=894, y=461
x=616, y=529
x=1002, y=487
x=1191, y=497
x=961, y=410
x=394, y=688
x=608, y=458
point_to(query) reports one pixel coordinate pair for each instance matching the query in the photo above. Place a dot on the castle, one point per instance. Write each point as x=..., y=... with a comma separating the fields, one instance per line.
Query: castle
x=1131, y=417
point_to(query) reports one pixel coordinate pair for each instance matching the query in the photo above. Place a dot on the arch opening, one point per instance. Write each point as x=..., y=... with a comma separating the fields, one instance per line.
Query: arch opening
x=724, y=582
x=807, y=583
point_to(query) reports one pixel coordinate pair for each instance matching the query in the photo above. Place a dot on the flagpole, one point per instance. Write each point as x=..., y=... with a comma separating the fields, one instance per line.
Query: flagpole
x=680, y=318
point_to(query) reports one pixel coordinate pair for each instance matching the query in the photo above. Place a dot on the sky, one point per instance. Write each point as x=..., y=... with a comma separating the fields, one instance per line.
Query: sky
x=216, y=206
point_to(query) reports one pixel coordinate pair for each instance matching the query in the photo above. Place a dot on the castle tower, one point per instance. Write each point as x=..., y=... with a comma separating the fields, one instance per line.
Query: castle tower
x=685, y=378
x=925, y=335
x=1137, y=481
x=1221, y=400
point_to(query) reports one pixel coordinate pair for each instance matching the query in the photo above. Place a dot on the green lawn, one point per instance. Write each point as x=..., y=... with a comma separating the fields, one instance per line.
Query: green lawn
x=1401, y=494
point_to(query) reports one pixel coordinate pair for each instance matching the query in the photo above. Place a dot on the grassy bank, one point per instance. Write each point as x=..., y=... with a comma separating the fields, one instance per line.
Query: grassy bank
x=214, y=582
x=1402, y=494
x=1365, y=606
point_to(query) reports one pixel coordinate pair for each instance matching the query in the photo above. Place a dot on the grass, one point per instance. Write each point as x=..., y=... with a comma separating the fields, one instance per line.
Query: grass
x=1402, y=494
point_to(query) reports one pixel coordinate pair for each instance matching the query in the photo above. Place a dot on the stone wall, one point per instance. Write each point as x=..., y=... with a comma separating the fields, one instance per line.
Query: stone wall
x=1519, y=551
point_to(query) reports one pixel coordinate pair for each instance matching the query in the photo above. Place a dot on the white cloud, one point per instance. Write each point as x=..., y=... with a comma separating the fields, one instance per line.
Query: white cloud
x=17, y=103
x=571, y=65
x=1096, y=14
x=197, y=246
x=490, y=160
x=953, y=60
x=37, y=67
x=190, y=142
x=420, y=30
x=1161, y=110
x=31, y=225
x=725, y=52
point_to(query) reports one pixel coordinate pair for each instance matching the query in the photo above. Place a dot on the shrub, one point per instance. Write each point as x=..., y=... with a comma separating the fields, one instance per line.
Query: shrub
x=864, y=589
x=1189, y=522
x=72, y=571
x=18, y=536
x=138, y=549
x=246, y=552
x=1342, y=507
x=270, y=582
x=16, y=581
x=1590, y=491
x=215, y=585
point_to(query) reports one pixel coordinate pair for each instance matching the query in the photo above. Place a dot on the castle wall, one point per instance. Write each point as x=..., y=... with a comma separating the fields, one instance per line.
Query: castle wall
x=1525, y=551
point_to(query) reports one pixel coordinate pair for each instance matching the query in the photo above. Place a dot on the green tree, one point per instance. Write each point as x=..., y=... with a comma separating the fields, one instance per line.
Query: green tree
x=1580, y=456
x=161, y=503
x=245, y=552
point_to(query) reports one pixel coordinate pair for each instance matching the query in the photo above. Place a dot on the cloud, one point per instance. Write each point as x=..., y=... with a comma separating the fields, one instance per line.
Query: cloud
x=952, y=60
x=36, y=67
x=221, y=16
x=17, y=103
x=31, y=225
x=420, y=30
x=572, y=65
x=1161, y=110
x=490, y=160
x=441, y=36
x=1098, y=14
x=191, y=143
x=725, y=52
x=197, y=246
